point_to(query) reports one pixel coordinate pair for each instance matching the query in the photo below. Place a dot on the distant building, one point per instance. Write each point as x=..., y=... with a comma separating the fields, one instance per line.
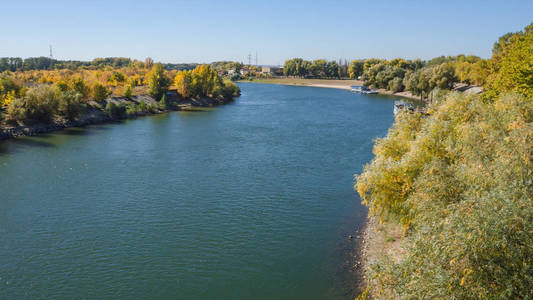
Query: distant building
x=231, y=72
x=271, y=70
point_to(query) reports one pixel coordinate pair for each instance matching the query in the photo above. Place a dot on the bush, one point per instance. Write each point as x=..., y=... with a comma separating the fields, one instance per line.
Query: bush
x=16, y=111
x=163, y=103
x=230, y=90
x=62, y=86
x=39, y=104
x=78, y=85
x=70, y=105
x=115, y=110
x=128, y=91
x=100, y=92
x=460, y=179
x=142, y=106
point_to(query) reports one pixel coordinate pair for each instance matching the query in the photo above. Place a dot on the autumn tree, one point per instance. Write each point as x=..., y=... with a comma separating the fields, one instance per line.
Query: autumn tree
x=183, y=83
x=356, y=68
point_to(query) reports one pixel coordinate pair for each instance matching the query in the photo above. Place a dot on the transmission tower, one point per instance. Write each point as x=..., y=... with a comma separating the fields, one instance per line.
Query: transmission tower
x=51, y=66
x=250, y=59
x=256, y=59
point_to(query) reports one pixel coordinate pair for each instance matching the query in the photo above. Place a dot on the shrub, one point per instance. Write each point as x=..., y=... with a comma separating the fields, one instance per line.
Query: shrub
x=128, y=91
x=163, y=103
x=62, y=86
x=70, y=105
x=16, y=111
x=78, y=85
x=230, y=90
x=115, y=110
x=100, y=92
x=460, y=179
x=40, y=104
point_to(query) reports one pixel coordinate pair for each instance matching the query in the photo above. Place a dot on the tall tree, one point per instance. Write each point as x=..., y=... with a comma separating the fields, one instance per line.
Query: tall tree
x=158, y=82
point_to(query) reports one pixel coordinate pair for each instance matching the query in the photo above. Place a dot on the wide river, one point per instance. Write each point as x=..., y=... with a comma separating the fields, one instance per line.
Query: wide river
x=251, y=200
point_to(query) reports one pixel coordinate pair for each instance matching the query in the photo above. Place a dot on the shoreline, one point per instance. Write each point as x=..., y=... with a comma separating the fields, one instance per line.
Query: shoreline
x=331, y=84
x=377, y=240
x=95, y=116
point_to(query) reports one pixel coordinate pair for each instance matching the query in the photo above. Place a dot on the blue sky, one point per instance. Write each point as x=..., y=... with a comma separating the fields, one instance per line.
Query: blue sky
x=205, y=31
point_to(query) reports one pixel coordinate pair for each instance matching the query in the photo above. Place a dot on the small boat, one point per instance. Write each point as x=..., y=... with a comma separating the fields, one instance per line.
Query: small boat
x=362, y=89
x=400, y=105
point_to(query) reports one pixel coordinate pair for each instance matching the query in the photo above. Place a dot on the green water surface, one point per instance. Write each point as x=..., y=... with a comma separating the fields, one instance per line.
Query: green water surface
x=251, y=200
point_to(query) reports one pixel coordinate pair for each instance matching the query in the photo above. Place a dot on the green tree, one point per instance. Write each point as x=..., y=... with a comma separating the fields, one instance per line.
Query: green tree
x=158, y=82
x=513, y=64
x=78, y=85
x=99, y=92
x=70, y=105
x=356, y=68
x=318, y=68
x=332, y=69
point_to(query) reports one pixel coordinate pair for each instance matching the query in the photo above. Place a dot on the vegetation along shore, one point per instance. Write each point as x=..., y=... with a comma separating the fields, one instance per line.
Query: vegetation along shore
x=449, y=192
x=37, y=101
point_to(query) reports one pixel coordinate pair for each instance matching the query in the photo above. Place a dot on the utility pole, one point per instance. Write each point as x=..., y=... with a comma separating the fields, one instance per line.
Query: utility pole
x=51, y=59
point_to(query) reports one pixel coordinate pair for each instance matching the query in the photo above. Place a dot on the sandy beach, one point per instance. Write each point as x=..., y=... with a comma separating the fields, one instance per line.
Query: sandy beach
x=343, y=84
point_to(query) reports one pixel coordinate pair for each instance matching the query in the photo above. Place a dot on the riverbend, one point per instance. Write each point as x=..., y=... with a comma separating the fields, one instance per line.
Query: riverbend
x=252, y=199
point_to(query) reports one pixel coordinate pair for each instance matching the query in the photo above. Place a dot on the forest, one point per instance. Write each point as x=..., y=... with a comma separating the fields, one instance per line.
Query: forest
x=459, y=181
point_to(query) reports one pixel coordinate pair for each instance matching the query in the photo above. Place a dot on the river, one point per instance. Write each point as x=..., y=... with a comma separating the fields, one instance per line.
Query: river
x=252, y=199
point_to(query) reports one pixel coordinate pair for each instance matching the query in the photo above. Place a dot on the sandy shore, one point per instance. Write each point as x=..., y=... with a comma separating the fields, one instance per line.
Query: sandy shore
x=379, y=240
x=343, y=84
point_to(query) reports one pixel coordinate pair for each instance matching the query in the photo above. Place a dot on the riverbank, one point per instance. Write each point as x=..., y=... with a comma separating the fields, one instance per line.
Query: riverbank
x=95, y=114
x=378, y=240
x=343, y=84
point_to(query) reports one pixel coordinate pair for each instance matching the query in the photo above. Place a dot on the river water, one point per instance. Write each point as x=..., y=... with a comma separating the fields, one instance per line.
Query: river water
x=253, y=199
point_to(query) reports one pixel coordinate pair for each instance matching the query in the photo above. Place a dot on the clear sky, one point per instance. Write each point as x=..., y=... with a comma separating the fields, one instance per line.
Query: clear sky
x=205, y=31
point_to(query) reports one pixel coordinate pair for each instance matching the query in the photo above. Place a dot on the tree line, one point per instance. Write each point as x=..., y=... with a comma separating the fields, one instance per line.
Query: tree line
x=418, y=77
x=14, y=64
x=319, y=68
x=47, y=96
